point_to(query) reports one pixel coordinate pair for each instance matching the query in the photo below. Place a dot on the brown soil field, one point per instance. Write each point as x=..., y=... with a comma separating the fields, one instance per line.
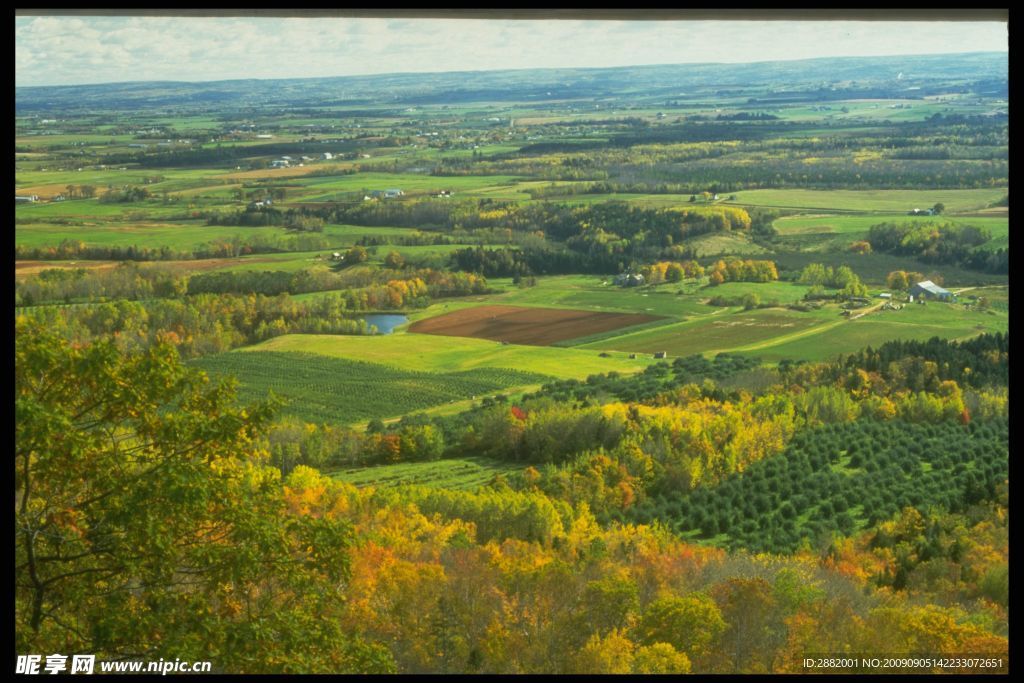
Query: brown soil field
x=29, y=267
x=26, y=267
x=44, y=191
x=521, y=325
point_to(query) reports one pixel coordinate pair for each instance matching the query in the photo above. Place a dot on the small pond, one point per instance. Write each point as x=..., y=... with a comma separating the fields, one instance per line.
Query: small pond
x=385, y=322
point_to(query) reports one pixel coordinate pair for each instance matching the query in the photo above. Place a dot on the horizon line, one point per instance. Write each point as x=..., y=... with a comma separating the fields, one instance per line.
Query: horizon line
x=539, y=68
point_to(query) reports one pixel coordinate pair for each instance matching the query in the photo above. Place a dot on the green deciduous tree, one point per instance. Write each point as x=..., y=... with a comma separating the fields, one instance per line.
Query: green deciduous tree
x=691, y=624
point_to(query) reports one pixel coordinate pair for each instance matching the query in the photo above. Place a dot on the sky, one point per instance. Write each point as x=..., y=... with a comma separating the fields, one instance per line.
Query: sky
x=72, y=50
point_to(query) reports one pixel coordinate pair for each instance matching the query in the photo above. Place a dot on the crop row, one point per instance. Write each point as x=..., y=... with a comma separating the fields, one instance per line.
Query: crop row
x=840, y=478
x=462, y=474
x=330, y=390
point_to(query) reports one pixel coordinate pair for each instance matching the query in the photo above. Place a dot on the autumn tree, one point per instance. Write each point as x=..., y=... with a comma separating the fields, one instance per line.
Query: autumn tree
x=691, y=624
x=146, y=525
x=755, y=629
x=356, y=254
x=897, y=280
x=394, y=260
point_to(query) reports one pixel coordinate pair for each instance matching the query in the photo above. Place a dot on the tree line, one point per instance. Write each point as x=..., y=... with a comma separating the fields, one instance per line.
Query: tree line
x=940, y=243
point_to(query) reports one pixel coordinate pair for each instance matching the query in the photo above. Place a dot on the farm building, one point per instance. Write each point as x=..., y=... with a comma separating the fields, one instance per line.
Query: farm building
x=386, y=194
x=280, y=163
x=18, y=199
x=629, y=279
x=930, y=290
x=885, y=295
x=660, y=354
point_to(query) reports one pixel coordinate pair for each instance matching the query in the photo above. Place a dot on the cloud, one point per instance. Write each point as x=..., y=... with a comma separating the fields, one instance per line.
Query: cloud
x=83, y=49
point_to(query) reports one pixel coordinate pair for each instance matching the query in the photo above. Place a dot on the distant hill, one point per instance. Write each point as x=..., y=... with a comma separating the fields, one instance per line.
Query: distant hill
x=902, y=74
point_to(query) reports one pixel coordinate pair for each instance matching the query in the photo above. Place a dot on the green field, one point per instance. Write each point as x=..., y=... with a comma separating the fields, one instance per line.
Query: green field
x=327, y=188
x=288, y=262
x=461, y=474
x=324, y=389
x=596, y=293
x=873, y=268
x=783, y=292
x=94, y=209
x=733, y=244
x=347, y=235
x=835, y=231
x=439, y=354
x=948, y=321
x=774, y=333
x=722, y=332
x=188, y=235
x=101, y=178
x=154, y=235
x=898, y=201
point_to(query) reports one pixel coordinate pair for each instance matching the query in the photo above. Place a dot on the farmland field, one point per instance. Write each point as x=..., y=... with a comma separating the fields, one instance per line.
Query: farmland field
x=131, y=233
x=599, y=294
x=191, y=235
x=723, y=332
x=839, y=479
x=434, y=353
x=783, y=292
x=837, y=230
x=323, y=389
x=94, y=209
x=873, y=268
x=518, y=325
x=947, y=321
x=462, y=474
x=27, y=267
x=898, y=201
x=329, y=188
x=612, y=380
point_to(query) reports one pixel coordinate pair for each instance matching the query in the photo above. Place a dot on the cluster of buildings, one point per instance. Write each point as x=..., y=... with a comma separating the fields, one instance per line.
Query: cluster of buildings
x=393, y=193
x=920, y=292
x=629, y=279
x=286, y=161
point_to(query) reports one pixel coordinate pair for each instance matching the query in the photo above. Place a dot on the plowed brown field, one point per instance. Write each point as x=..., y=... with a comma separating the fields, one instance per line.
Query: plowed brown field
x=520, y=325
